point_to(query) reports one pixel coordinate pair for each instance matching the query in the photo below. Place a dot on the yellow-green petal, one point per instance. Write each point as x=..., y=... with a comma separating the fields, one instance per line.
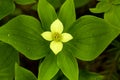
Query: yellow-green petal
x=66, y=37
x=57, y=26
x=56, y=47
x=47, y=35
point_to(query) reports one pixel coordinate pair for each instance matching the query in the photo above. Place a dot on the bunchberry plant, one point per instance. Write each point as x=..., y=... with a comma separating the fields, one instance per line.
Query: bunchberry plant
x=58, y=38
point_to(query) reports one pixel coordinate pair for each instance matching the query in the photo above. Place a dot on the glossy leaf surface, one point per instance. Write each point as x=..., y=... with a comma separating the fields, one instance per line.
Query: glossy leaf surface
x=48, y=68
x=91, y=35
x=68, y=64
x=46, y=13
x=24, y=34
x=101, y=7
x=67, y=14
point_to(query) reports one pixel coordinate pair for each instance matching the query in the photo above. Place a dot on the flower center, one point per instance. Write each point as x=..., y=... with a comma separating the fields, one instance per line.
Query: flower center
x=56, y=36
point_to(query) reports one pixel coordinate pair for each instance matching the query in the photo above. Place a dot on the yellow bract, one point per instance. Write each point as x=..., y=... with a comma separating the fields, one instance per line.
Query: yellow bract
x=56, y=36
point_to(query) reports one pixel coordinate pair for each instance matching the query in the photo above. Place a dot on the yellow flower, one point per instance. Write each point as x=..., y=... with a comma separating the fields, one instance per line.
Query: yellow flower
x=56, y=36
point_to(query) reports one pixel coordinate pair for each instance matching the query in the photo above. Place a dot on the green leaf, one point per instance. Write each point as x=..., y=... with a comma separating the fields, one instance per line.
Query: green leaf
x=23, y=74
x=91, y=36
x=80, y=3
x=68, y=64
x=48, y=68
x=67, y=14
x=46, y=13
x=6, y=7
x=24, y=34
x=59, y=76
x=8, y=57
x=56, y=3
x=85, y=75
x=116, y=2
x=113, y=16
x=101, y=7
x=25, y=2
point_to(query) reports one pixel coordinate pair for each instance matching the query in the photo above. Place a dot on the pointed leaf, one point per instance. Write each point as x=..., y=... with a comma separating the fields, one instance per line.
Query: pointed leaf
x=113, y=16
x=91, y=35
x=23, y=33
x=6, y=7
x=56, y=3
x=59, y=76
x=67, y=14
x=101, y=7
x=25, y=2
x=68, y=64
x=23, y=74
x=8, y=57
x=48, y=68
x=46, y=13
